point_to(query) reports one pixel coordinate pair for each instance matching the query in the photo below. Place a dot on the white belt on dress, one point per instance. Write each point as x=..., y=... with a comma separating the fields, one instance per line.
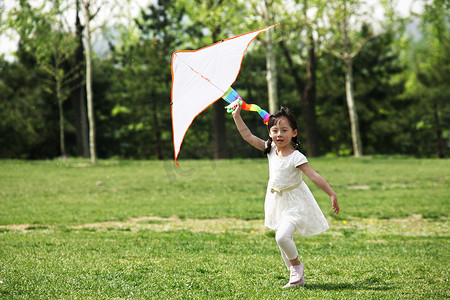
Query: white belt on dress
x=280, y=191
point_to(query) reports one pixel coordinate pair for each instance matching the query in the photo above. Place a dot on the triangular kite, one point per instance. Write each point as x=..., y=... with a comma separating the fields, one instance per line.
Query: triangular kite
x=201, y=77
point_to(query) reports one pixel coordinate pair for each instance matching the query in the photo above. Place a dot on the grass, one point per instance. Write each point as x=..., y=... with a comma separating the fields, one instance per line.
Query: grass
x=149, y=230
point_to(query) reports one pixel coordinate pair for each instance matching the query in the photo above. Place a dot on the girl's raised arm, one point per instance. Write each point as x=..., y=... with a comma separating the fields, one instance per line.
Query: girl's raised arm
x=243, y=129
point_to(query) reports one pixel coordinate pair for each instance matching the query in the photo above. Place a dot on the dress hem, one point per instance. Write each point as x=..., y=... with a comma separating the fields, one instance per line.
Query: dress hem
x=296, y=229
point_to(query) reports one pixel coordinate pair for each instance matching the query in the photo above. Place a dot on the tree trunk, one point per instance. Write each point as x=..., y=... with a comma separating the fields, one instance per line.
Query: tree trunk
x=89, y=94
x=348, y=61
x=79, y=94
x=271, y=75
x=354, y=123
x=220, y=141
x=157, y=131
x=220, y=136
x=271, y=67
x=309, y=101
x=438, y=129
x=62, y=143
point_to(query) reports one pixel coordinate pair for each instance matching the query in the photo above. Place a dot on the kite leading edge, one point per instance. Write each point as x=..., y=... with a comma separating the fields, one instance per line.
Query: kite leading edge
x=201, y=77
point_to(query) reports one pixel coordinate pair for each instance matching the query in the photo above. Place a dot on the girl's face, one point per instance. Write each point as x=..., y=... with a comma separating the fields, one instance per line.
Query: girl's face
x=282, y=133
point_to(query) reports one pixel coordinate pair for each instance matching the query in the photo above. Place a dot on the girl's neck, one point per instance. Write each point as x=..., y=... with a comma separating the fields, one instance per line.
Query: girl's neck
x=283, y=152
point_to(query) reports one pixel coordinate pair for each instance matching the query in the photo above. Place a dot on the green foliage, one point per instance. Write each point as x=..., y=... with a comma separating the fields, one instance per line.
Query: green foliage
x=401, y=94
x=42, y=38
x=381, y=108
x=142, y=128
x=71, y=230
x=42, y=35
x=25, y=116
x=430, y=81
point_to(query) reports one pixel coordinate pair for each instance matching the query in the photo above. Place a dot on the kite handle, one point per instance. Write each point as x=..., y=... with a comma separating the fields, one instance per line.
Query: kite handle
x=231, y=95
x=230, y=109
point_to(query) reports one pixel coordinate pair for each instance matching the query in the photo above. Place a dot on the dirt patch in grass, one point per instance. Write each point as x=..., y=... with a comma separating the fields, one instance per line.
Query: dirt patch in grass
x=414, y=225
x=175, y=223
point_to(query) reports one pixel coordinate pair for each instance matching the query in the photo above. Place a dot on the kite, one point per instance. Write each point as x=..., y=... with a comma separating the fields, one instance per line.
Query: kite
x=201, y=77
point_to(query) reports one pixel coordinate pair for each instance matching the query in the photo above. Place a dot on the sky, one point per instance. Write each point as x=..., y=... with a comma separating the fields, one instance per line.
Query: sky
x=132, y=8
x=8, y=41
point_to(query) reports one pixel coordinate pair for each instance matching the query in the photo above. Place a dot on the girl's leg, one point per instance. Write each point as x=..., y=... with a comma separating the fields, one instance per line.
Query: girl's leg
x=286, y=260
x=285, y=240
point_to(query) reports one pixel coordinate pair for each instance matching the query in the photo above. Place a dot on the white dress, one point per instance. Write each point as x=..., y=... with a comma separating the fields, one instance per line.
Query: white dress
x=289, y=198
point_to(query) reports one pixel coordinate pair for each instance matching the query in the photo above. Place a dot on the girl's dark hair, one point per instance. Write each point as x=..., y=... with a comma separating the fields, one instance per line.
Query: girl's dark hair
x=274, y=119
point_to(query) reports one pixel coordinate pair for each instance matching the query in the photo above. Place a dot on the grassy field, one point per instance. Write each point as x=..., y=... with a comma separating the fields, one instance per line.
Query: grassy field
x=150, y=230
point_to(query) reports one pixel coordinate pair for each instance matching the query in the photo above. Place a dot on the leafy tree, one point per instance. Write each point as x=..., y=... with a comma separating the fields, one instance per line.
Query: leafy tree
x=346, y=44
x=140, y=104
x=23, y=112
x=217, y=18
x=78, y=95
x=41, y=34
x=376, y=72
x=377, y=76
x=267, y=11
x=300, y=46
x=89, y=14
x=431, y=63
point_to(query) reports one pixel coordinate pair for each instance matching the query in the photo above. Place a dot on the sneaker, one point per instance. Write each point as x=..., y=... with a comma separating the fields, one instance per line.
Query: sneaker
x=297, y=284
x=296, y=273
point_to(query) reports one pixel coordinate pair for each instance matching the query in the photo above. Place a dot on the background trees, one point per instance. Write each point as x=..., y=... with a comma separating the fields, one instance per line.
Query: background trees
x=50, y=43
x=400, y=81
x=430, y=79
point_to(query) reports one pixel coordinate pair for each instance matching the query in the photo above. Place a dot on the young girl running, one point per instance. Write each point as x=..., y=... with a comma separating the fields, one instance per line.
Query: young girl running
x=289, y=204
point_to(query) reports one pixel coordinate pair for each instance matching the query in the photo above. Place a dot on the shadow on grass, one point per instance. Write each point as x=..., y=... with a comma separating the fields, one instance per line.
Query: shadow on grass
x=349, y=286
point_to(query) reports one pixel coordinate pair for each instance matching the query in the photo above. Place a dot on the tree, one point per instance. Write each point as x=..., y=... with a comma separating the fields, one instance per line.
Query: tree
x=431, y=66
x=88, y=16
x=140, y=114
x=212, y=15
x=24, y=114
x=266, y=11
x=346, y=44
x=42, y=37
x=300, y=34
x=79, y=93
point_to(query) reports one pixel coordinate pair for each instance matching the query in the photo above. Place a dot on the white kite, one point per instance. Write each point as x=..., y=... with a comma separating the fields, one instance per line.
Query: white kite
x=201, y=77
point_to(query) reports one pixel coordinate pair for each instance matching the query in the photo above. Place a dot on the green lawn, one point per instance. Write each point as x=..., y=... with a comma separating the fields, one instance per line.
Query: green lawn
x=147, y=229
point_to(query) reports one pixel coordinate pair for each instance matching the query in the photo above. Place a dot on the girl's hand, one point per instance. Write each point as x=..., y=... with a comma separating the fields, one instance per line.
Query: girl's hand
x=235, y=105
x=334, y=204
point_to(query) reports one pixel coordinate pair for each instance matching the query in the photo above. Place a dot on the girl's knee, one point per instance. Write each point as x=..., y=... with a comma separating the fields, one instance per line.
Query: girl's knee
x=282, y=240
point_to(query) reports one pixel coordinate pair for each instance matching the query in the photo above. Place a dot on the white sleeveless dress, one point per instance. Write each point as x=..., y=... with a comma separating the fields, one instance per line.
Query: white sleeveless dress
x=289, y=198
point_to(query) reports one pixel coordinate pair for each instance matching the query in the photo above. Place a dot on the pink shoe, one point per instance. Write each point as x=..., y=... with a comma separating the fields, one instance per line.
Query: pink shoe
x=296, y=273
x=297, y=284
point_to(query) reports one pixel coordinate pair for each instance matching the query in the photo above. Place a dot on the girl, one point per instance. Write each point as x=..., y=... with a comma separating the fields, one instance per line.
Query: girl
x=289, y=204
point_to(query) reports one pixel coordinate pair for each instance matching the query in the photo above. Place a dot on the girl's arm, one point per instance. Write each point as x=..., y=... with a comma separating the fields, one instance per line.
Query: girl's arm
x=243, y=129
x=320, y=182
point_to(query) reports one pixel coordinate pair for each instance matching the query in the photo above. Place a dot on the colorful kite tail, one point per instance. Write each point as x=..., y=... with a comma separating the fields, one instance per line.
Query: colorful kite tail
x=231, y=95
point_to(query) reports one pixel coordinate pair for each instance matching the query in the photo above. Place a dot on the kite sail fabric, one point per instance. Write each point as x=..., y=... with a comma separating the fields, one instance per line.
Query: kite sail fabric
x=201, y=77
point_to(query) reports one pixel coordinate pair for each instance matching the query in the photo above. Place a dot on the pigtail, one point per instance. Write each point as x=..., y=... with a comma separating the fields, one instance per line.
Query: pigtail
x=269, y=146
x=296, y=143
